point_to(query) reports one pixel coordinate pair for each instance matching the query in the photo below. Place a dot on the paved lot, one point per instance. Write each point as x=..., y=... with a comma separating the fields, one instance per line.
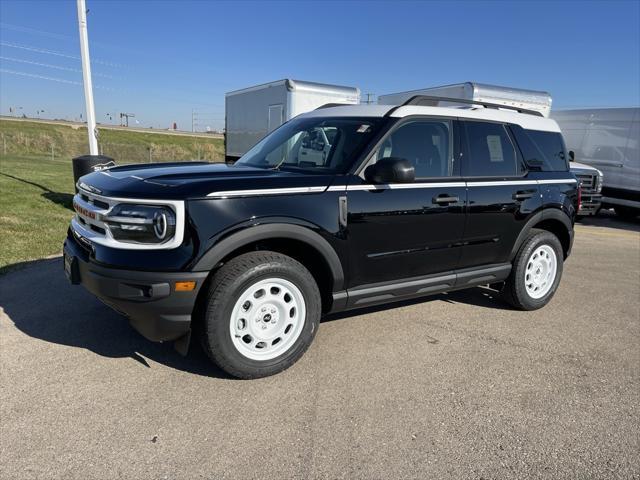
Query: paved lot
x=458, y=386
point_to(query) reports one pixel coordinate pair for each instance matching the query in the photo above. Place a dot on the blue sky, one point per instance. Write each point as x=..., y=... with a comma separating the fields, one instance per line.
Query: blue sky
x=161, y=60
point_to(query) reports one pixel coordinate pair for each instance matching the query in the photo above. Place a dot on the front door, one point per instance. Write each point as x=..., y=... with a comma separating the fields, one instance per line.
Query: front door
x=400, y=231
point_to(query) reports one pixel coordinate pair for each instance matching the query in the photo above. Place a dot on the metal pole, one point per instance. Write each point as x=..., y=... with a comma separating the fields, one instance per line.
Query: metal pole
x=86, y=73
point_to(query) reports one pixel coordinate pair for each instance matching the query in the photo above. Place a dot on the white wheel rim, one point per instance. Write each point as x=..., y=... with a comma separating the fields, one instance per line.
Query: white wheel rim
x=540, y=272
x=267, y=319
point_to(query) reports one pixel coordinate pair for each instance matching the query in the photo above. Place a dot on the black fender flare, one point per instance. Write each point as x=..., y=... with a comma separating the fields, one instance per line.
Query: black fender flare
x=546, y=214
x=255, y=233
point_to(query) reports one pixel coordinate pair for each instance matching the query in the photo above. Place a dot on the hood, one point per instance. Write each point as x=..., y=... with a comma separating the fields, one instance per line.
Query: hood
x=582, y=166
x=186, y=180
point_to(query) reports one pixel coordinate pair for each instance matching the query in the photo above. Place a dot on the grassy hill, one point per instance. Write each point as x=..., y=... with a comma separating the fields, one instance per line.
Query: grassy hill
x=36, y=187
x=126, y=146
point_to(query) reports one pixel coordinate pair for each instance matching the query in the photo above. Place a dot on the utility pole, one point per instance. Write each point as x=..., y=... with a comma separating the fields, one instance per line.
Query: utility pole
x=86, y=74
x=126, y=119
x=369, y=95
x=193, y=120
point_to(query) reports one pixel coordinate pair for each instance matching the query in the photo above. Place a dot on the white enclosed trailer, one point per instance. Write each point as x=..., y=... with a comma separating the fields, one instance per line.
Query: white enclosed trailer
x=512, y=97
x=253, y=112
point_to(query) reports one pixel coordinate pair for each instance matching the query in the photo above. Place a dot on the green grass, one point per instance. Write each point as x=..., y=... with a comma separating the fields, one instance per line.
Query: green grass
x=35, y=208
x=126, y=146
x=36, y=190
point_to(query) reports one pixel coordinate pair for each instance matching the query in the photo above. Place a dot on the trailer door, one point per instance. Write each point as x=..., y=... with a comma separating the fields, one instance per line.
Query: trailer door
x=276, y=117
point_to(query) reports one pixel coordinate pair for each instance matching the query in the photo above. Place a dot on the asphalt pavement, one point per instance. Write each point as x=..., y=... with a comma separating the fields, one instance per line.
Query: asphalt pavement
x=456, y=386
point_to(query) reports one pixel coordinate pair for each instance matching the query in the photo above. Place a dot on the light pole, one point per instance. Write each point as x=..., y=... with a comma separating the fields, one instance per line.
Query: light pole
x=86, y=75
x=94, y=161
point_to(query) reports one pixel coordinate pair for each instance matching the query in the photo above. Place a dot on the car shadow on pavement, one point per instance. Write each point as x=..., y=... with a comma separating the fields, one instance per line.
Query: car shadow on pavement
x=42, y=304
x=607, y=218
x=478, y=296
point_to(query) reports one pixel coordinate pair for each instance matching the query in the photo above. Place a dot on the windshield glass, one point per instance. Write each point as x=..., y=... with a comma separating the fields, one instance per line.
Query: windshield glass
x=321, y=144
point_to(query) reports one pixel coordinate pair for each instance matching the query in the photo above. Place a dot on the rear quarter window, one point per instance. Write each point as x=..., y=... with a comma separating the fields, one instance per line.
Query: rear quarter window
x=542, y=151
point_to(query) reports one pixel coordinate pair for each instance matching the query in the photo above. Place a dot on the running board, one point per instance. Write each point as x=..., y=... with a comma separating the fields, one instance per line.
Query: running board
x=405, y=289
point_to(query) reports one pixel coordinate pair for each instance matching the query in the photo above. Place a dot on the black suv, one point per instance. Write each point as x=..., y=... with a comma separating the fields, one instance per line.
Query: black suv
x=340, y=208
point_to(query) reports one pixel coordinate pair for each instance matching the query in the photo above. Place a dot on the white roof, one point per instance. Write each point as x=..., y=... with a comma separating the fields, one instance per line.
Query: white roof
x=300, y=85
x=527, y=121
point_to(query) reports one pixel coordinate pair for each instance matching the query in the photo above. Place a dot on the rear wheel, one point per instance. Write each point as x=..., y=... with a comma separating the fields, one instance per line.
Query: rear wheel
x=262, y=313
x=536, y=271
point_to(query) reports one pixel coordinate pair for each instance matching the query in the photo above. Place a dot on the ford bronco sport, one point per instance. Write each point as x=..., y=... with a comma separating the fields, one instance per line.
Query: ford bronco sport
x=339, y=208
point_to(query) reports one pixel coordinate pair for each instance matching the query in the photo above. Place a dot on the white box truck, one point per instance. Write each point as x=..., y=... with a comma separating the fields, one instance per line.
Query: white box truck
x=253, y=112
x=513, y=97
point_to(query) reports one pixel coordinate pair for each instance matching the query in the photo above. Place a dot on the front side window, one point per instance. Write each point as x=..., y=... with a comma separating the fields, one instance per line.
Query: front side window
x=491, y=153
x=314, y=145
x=426, y=144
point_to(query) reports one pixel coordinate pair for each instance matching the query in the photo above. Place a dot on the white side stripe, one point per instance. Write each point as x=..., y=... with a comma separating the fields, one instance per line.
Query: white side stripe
x=392, y=186
x=499, y=183
x=561, y=180
x=266, y=191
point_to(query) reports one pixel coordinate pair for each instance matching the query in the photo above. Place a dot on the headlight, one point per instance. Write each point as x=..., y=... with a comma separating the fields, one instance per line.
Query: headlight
x=141, y=223
x=600, y=179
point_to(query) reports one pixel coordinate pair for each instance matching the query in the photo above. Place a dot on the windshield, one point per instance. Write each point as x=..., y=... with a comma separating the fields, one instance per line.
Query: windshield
x=321, y=144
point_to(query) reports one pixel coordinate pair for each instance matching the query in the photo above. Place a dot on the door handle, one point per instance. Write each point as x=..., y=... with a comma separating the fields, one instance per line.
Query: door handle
x=523, y=194
x=442, y=199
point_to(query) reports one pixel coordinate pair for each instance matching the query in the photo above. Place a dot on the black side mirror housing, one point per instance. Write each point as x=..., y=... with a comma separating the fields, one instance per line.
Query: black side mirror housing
x=390, y=170
x=572, y=156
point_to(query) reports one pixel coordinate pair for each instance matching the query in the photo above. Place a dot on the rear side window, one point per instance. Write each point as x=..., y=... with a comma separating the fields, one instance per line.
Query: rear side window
x=544, y=151
x=491, y=153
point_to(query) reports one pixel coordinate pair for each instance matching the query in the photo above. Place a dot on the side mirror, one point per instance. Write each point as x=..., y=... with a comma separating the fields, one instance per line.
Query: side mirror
x=390, y=170
x=572, y=156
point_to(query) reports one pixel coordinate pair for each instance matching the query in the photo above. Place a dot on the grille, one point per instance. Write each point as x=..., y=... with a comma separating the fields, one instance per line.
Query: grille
x=91, y=210
x=588, y=182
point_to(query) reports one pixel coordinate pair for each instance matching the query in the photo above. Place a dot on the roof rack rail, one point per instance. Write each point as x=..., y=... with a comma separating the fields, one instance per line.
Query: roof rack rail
x=432, y=101
x=329, y=105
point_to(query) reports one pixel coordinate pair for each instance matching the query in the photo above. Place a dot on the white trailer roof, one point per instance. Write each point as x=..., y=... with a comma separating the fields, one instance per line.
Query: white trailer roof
x=535, y=100
x=301, y=86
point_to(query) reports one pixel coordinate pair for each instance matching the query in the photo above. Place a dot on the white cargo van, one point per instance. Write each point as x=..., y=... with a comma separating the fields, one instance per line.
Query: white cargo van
x=253, y=112
x=609, y=139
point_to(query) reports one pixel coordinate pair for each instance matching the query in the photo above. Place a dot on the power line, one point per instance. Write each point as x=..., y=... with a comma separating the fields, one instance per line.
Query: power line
x=48, y=65
x=58, y=54
x=59, y=36
x=52, y=79
x=18, y=28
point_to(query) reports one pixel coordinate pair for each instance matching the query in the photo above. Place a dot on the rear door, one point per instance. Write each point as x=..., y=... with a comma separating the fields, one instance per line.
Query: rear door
x=276, y=116
x=399, y=231
x=501, y=193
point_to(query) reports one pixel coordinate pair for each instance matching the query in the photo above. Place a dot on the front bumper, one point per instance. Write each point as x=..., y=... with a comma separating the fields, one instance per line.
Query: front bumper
x=591, y=203
x=148, y=299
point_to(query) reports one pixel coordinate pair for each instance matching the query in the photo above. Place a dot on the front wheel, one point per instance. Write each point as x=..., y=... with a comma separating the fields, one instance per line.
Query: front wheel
x=536, y=271
x=262, y=313
x=626, y=213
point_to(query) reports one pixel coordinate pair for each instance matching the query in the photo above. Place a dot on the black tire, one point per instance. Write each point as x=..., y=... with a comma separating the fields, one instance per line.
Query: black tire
x=627, y=213
x=226, y=286
x=515, y=291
